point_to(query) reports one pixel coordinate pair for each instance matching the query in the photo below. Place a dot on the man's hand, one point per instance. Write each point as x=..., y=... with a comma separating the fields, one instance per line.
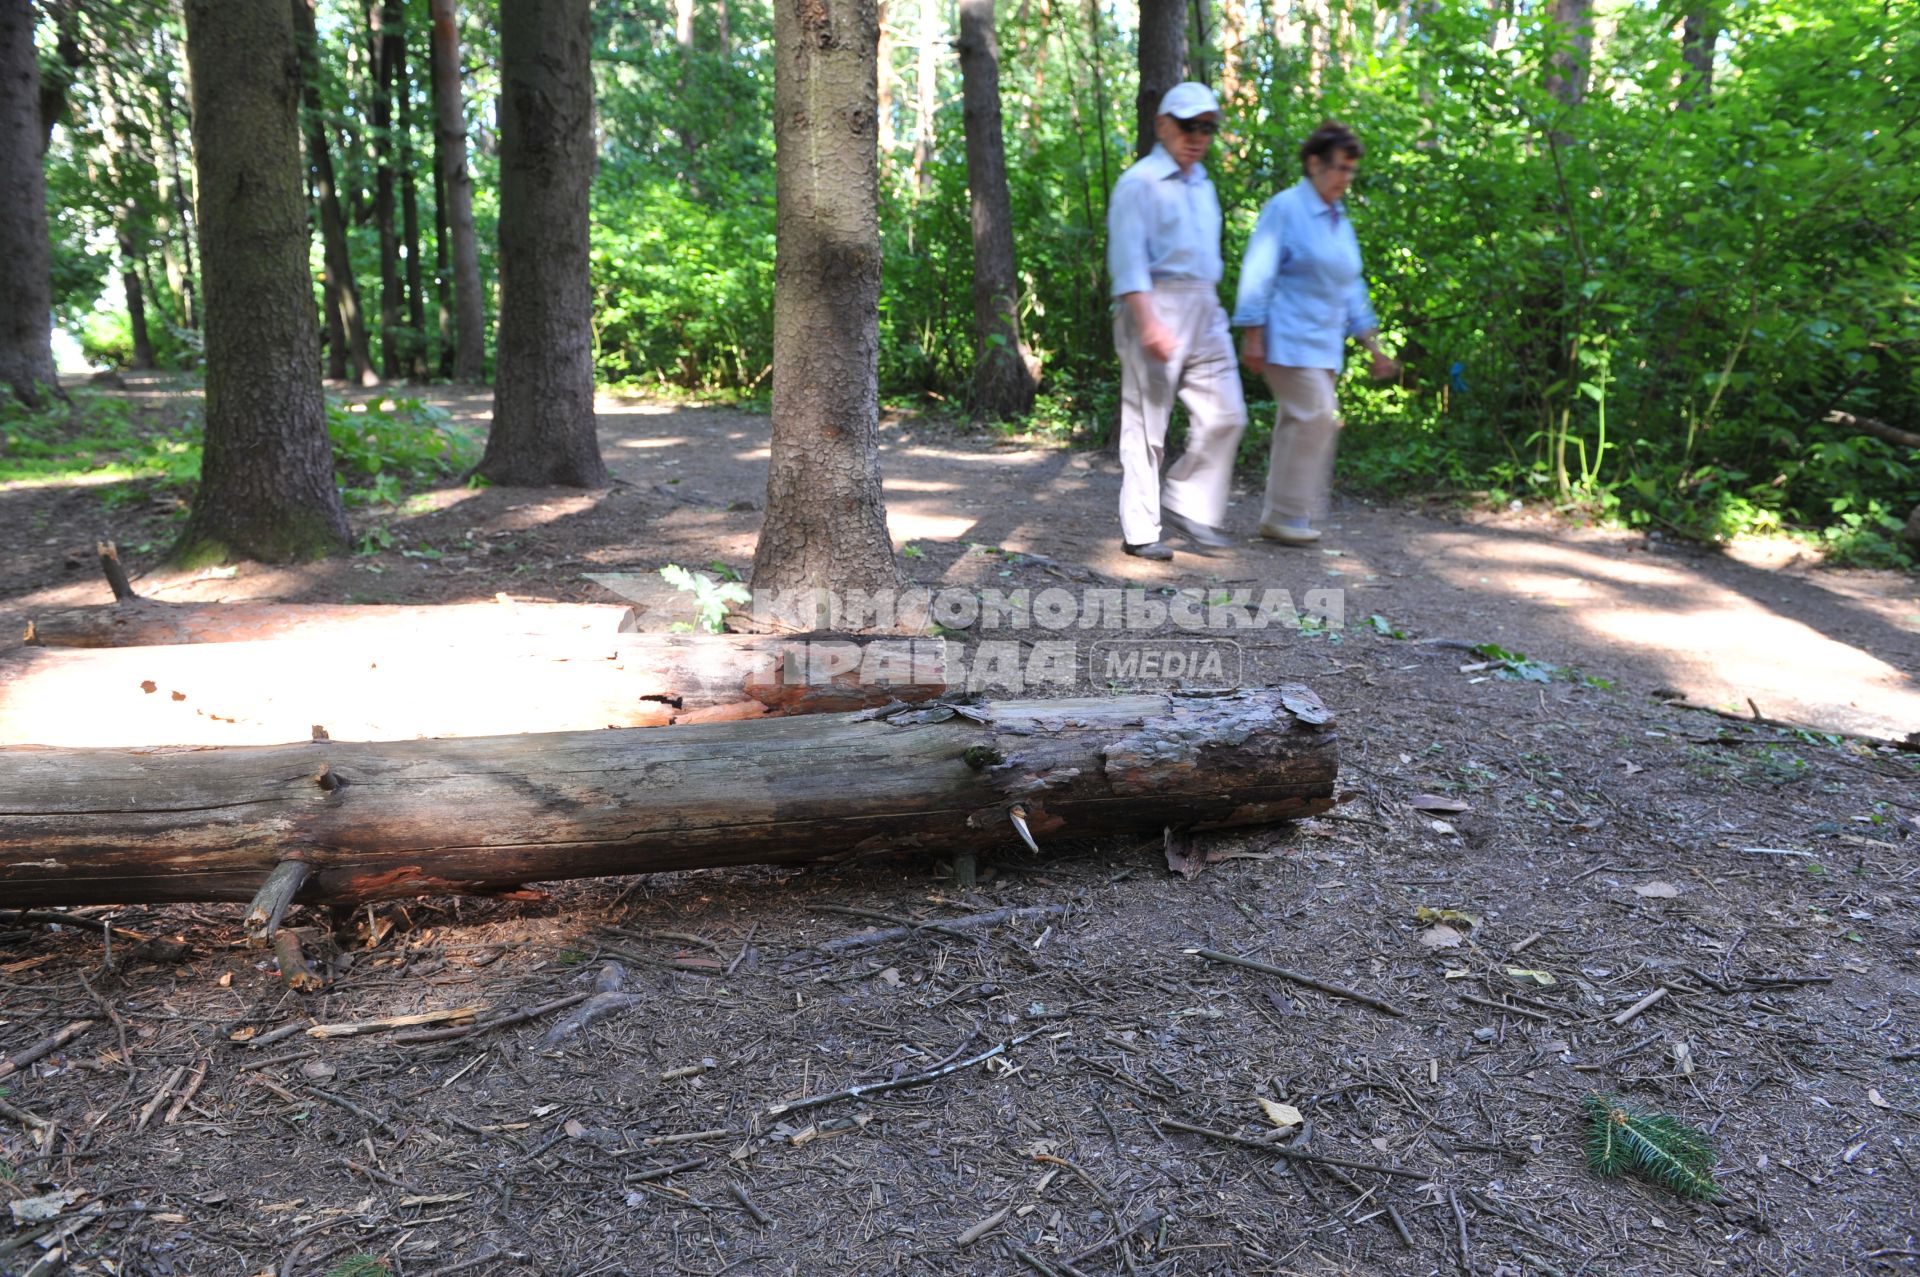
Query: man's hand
x=1253, y=349
x=1155, y=337
x=1384, y=369
x=1157, y=340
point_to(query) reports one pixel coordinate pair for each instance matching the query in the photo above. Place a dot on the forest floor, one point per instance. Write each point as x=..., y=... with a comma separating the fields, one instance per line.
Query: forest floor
x=1619, y=844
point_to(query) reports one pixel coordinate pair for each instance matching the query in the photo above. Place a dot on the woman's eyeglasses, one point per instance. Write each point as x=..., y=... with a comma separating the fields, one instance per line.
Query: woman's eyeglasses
x=1190, y=127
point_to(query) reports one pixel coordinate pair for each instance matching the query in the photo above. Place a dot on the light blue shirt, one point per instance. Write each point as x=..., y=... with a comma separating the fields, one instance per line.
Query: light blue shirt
x=1162, y=224
x=1301, y=279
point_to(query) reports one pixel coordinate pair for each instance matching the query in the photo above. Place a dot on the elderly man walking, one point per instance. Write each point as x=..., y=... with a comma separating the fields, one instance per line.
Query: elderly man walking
x=1163, y=251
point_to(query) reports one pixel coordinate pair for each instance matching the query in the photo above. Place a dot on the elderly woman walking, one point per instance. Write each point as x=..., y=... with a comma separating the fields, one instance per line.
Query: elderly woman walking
x=1301, y=297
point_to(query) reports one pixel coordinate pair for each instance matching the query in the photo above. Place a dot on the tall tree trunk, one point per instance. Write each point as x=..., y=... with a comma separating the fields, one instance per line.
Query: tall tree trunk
x=383, y=23
x=884, y=61
x=723, y=23
x=410, y=216
x=266, y=480
x=26, y=254
x=1235, y=83
x=1163, y=61
x=1200, y=41
x=826, y=522
x=336, y=333
x=333, y=223
x=176, y=196
x=1573, y=53
x=1700, y=34
x=926, y=91
x=450, y=160
x=130, y=284
x=442, y=278
x=127, y=214
x=1002, y=380
x=543, y=425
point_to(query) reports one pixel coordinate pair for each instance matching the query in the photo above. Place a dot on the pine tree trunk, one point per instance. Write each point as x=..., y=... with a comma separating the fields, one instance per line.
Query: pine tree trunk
x=450, y=159
x=442, y=277
x=336, y=334
x=130, y=285
x=410, y=216
x=350, y=314
x=926, y=89
x=26, y=254
x=266, y=481
x=543, y=424
x=1002, y=380
x=177, y=197
x=1700, y=34
x=383, y=19
x=1573, y=38
x=826, y=522
x=1200, y=41
x=1163, y=61
x=884, y=83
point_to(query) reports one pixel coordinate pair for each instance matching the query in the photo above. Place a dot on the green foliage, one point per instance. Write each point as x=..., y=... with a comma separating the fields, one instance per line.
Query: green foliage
x=361, y=1265
x=1656, y=1147
x=711, y=599
x=382, y=448
x=95, y=439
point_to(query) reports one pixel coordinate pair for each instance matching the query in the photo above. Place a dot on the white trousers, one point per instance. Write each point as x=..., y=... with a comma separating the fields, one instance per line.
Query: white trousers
x=1306, y=423
x=1203, y=376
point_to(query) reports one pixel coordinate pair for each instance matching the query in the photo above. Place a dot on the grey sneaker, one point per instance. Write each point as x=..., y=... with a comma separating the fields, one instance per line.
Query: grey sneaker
x=1193, y=530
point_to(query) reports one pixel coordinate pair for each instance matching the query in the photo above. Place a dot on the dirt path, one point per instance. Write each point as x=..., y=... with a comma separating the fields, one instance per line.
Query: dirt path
x=1765, y=880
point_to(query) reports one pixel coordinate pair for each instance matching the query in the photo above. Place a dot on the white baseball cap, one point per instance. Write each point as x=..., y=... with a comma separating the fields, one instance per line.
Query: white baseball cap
x=1184, y=101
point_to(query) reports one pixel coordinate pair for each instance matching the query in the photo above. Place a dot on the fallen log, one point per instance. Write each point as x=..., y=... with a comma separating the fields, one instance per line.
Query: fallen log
x=379, y=821
x=287, y=690
x=144, y=622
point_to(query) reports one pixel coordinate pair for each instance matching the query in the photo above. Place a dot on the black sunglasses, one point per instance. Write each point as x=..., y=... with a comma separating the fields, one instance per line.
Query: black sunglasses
x=1190, y=127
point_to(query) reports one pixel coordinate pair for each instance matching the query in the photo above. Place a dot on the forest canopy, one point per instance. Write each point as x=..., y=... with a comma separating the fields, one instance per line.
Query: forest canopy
x=1635, y=255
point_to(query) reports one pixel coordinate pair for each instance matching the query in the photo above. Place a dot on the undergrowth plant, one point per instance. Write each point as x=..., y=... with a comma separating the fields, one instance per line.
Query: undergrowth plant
x=711, y=598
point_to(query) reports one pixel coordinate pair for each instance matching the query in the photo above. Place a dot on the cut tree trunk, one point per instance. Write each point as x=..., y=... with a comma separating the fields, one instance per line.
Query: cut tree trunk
x=407, y=818
x=401, y=688
x=142, y=622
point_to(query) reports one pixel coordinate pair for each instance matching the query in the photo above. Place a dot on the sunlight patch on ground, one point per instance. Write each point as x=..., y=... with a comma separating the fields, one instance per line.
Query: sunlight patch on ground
x=604, y=407
x=763, y=453
x=90, y=479
x=917, y=485
x=665, y=441
x=914, y=521
x=1721, y=645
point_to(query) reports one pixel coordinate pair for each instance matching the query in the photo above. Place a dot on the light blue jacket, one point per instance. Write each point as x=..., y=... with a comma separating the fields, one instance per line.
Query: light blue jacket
x=1162, y=225
x=1301, y=280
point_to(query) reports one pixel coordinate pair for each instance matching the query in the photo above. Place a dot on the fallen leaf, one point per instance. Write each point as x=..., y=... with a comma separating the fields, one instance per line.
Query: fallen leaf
x=1441, y=937
x=891, y=977
x=1657, y=890
x=1633, y=769
x=1683, y=1057
x=575, y=1128
x=1876, y=1099
x=1461, y=974
x=37, y=1210
x=1440, y=803
x=226, y=980
x=1426, y=913
x=1281, y=1115
x=1527, y=975
x=1442, y=827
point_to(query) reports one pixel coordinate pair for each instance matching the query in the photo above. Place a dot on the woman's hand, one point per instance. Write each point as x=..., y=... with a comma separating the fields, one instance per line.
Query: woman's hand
x=1253, y=348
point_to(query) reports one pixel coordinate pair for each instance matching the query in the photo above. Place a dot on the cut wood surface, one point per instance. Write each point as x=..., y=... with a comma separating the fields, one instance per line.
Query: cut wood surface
x=279, y=691
x=403, y=818
x=142, y=622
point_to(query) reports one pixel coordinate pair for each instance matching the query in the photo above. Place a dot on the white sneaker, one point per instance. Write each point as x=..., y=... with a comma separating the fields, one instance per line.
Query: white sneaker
x=1289, y=536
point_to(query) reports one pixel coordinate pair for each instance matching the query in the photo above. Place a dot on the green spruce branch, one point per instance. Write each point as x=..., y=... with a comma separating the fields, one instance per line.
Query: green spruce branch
x=1657, y=1147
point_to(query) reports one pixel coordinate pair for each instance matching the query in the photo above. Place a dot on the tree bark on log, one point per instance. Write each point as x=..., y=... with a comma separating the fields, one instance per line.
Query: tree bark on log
x=289, y=690
x=143, y=622
x=477, y=815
